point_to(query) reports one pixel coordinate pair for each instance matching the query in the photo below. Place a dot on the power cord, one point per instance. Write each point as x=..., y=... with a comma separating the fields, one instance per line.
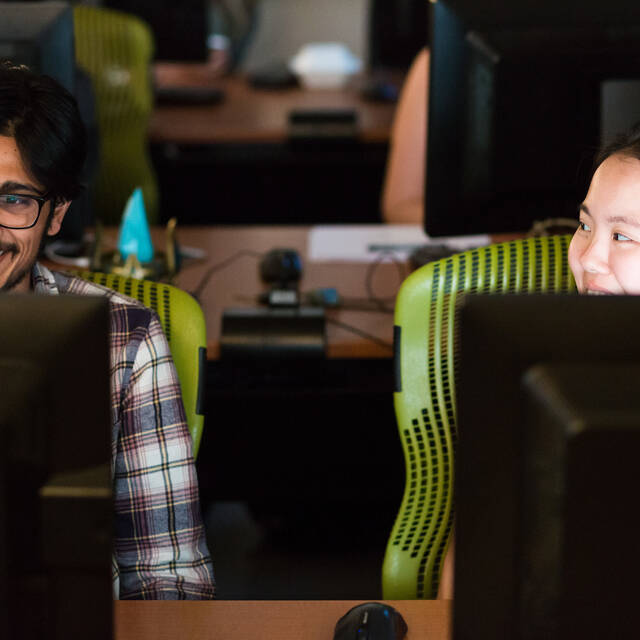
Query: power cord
x=360, y=332
x=402, y=273
x=329, y=297
x=204, y=281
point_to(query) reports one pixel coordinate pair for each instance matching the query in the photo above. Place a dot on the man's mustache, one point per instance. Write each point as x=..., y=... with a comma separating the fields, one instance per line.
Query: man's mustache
x=6, y=247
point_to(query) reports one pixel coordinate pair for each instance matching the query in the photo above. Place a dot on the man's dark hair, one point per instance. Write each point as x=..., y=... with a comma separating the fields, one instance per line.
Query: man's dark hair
x=43, y=118
x=626, y=144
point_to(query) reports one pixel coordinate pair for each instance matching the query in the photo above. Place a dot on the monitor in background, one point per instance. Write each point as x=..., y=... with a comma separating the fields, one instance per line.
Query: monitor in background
x=398, y=29
x=55, y=482
x=180, y=27
x=522, y=94
x=39, y=35
x=547, y=467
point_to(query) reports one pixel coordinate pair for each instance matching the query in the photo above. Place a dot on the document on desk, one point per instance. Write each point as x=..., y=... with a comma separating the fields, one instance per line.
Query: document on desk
x=369, y=242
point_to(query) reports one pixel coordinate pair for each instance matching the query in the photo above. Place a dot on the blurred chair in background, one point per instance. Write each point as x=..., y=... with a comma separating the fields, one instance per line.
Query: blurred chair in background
x=116, y=49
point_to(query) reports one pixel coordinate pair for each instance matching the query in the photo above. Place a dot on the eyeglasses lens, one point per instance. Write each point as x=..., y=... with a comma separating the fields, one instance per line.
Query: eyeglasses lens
x=18, y=211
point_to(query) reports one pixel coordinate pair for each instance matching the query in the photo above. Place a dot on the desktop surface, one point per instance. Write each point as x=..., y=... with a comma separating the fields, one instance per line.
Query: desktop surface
x=252, y=115
x=281, y=620
x=247, y=152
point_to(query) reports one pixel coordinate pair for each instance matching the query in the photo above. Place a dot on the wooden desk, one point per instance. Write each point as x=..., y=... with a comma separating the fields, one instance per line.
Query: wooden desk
x=264, y=620
x=238, y=284
x=234, y=163
x=249, y=115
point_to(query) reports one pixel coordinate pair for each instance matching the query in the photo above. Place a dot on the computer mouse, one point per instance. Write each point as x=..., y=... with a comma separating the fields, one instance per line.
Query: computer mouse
x=371, y=621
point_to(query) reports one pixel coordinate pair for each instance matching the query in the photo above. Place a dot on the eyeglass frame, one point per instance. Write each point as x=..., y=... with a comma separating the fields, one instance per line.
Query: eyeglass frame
x=39, y=199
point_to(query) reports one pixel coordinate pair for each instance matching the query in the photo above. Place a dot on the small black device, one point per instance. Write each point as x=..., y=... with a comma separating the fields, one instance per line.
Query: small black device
x=274, y=77
x=428, y=253
x=380, y=91
x=323, y=125
x=371, y=621
x=282, y=267
x=188, y=95
x=277, y=332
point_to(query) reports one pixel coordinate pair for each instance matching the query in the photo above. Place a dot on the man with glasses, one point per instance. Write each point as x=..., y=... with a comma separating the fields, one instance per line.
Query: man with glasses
x=160, y=550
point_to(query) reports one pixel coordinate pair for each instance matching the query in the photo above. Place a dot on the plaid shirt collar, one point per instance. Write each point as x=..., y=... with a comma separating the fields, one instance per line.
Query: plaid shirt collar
x=43, y=281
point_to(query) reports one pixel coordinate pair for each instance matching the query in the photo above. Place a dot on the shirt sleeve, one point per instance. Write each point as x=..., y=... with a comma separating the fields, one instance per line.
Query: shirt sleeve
x=160, y=547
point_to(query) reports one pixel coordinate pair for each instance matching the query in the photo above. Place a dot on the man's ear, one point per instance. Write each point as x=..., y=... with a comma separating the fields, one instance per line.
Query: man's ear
x=57, y=216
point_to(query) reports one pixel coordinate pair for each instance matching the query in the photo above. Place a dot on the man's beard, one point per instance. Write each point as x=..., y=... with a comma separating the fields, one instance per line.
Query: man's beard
x=15, y=279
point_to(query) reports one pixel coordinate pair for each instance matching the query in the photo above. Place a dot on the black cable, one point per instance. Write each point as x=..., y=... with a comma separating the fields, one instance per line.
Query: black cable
x=381, y=302
x=354, y=307
x=362, y=334
x=197, y=292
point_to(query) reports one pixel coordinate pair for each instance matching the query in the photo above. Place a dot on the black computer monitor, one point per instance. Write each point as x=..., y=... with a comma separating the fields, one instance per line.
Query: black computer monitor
x=55, y=482
x=40, y=35
x=547, y=473
x=180, y=27
x=522, y=94
x=398, y=29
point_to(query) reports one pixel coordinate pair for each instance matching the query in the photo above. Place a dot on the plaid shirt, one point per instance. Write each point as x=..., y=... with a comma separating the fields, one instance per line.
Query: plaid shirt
x=160, y=551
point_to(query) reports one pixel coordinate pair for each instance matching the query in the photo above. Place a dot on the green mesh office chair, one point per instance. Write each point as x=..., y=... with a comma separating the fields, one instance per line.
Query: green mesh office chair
x=183, y=322
x=425, y=396
x=116, y=49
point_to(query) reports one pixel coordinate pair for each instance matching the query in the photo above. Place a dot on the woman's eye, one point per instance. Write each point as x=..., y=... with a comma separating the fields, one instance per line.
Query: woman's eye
x=583, y=226
x=619, y=237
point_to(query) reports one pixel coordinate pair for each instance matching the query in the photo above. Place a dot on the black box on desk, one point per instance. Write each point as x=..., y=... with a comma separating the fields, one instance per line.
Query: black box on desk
x=277, y=333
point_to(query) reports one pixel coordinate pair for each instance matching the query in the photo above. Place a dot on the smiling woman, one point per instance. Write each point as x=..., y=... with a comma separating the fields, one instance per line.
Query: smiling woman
x=604, y=254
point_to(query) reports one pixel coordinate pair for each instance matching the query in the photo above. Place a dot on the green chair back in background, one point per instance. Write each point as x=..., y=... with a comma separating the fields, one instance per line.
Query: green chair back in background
x=116, y=50
x=183, y=323
x=425, y=401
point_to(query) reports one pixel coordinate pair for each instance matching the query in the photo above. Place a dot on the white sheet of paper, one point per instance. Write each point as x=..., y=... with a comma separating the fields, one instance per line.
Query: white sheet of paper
x=364, y=243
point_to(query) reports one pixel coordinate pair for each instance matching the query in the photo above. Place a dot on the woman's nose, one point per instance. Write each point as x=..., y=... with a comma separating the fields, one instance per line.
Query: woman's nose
x=595, y=258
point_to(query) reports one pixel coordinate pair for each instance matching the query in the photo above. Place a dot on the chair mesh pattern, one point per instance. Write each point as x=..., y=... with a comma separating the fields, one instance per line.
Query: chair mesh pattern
x=152, y=294
x=183, y=323
x=116, y=49
x=426, y=312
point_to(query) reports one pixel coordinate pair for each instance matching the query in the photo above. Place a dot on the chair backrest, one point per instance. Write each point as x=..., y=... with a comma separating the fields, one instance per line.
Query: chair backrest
x=116, y=49
x=183, y=322
x=425, y=403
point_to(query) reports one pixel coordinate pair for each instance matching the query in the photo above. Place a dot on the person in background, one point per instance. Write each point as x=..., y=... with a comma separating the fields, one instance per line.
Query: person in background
x=404, y=182
x=160, y=551
x=231, y=23
x=604, y=254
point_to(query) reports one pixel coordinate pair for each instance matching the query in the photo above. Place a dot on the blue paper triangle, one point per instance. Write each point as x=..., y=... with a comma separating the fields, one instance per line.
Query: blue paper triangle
x=134, y=237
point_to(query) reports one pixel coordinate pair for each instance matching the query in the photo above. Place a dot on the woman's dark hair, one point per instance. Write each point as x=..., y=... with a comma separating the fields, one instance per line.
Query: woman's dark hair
x=43, y=118
x=626, y=144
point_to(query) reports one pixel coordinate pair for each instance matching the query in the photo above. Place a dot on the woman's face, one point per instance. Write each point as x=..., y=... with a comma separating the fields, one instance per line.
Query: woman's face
x=604, y=254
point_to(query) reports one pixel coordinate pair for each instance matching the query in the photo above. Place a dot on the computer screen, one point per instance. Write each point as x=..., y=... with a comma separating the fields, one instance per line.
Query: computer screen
x=39, y=35
x=180, y=27
x=56, y=515
x=548, y=398
x=398, y=29
x=521, y=96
